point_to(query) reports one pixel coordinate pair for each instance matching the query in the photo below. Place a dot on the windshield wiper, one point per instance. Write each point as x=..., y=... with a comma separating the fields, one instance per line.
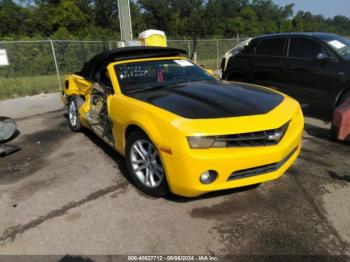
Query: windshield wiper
x=150, y=87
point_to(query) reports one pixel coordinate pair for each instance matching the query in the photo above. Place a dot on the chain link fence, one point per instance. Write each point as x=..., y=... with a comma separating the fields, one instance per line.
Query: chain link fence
x=40, y=66
x=209, y=51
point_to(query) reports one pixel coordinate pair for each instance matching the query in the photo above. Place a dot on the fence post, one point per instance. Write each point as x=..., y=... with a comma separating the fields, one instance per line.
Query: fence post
x=109, y=45
x=217, y=53
x=56, y=65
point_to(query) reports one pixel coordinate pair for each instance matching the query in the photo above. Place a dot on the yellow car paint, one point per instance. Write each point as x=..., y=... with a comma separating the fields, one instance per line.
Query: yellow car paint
x=183, y=165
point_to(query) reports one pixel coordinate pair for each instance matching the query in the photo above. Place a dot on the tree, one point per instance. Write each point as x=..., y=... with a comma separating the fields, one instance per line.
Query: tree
x=221, y=13
x=15, y=19
x=156, y=13
x=98, y=19
x=246, y=23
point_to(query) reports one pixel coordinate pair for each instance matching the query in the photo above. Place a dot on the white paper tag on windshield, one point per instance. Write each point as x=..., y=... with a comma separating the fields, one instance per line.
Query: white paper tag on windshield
x=183, y=62
x=336, y=44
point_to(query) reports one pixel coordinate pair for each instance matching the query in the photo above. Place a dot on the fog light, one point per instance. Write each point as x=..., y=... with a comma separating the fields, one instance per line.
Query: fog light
x=208, y=177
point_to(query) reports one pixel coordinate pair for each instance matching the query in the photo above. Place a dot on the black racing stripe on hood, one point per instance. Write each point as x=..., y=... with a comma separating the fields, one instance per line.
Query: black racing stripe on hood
x=203, y=100
x=222, y=99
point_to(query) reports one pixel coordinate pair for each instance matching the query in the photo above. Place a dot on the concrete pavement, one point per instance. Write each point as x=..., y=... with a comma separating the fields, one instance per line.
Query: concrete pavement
x=69, y=193
x=30, y=105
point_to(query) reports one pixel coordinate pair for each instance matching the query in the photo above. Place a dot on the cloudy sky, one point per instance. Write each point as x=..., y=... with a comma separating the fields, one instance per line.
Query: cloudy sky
x=328, y=8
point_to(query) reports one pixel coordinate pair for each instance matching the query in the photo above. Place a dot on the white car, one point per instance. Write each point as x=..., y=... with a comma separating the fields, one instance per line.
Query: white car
x=233, y=52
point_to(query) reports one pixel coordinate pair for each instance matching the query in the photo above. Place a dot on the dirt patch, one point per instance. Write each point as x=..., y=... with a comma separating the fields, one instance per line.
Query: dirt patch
x=11, y=233
x=286, y=216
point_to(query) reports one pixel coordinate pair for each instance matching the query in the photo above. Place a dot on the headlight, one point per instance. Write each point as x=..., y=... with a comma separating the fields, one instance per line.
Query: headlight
x=201, y=141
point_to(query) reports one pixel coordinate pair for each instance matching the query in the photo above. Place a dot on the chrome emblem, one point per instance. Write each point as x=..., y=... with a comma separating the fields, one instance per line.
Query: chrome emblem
x=276, y=136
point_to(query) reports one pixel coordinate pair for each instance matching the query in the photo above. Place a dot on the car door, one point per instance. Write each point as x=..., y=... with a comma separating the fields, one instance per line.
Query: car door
x=103, y=79
x=310, y=73
x=267, y=61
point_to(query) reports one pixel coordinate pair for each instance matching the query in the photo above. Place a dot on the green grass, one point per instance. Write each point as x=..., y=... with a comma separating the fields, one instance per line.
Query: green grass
x=208, y=62
x=11, y=87
x=27, y=85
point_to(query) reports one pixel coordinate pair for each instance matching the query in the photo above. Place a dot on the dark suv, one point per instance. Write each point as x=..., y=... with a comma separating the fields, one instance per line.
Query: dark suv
x=314, y=68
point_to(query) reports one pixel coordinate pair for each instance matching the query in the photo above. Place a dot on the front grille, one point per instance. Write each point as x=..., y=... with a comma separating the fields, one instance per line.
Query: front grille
x=255, y=171
x=252, y=139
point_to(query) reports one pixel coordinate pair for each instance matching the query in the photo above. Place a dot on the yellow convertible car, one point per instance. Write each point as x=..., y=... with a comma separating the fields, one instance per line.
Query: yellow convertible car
x=180, y=129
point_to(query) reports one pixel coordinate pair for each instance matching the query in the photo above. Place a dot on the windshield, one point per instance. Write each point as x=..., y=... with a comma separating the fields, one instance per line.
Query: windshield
x=338, y=43
x=141, y=76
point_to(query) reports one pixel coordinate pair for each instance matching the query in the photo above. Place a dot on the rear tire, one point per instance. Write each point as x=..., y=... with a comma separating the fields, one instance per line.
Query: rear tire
x=343, y=98
x=73, y=114
x=145, y=166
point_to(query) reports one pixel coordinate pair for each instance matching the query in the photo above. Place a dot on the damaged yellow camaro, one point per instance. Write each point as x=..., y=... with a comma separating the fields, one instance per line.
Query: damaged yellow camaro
x=179, y=128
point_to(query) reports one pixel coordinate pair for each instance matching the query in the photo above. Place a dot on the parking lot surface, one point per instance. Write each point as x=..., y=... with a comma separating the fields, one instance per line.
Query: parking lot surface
x=69, y=193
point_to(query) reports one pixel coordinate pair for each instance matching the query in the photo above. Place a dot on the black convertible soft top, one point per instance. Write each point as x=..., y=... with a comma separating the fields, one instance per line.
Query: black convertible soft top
x=135, y=52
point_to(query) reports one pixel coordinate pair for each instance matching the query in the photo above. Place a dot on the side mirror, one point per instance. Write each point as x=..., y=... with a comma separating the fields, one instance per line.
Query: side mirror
x=323, y=57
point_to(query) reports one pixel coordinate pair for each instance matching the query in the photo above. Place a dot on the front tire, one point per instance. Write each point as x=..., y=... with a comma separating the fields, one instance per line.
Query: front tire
x=73, y=114
x=145, y=166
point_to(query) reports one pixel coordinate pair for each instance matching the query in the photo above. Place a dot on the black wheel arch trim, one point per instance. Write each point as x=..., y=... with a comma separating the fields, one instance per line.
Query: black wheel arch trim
x=132, y=127
x=341, y=93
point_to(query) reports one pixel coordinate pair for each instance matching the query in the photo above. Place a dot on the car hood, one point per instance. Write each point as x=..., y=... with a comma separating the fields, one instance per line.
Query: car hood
x=216, y=99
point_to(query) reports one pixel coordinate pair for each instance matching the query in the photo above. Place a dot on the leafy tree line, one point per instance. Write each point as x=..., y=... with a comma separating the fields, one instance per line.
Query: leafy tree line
x=98, y=19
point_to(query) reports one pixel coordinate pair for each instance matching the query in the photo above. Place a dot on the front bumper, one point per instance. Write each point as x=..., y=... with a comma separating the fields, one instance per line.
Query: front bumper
x=236, y=167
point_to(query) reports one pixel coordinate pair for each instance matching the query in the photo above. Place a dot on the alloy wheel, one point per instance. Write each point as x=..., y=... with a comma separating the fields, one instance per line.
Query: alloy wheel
x=72, y=113
x=146, y=164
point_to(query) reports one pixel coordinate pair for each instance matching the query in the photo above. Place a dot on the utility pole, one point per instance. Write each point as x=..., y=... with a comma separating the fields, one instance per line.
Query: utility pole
x=125, y=20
